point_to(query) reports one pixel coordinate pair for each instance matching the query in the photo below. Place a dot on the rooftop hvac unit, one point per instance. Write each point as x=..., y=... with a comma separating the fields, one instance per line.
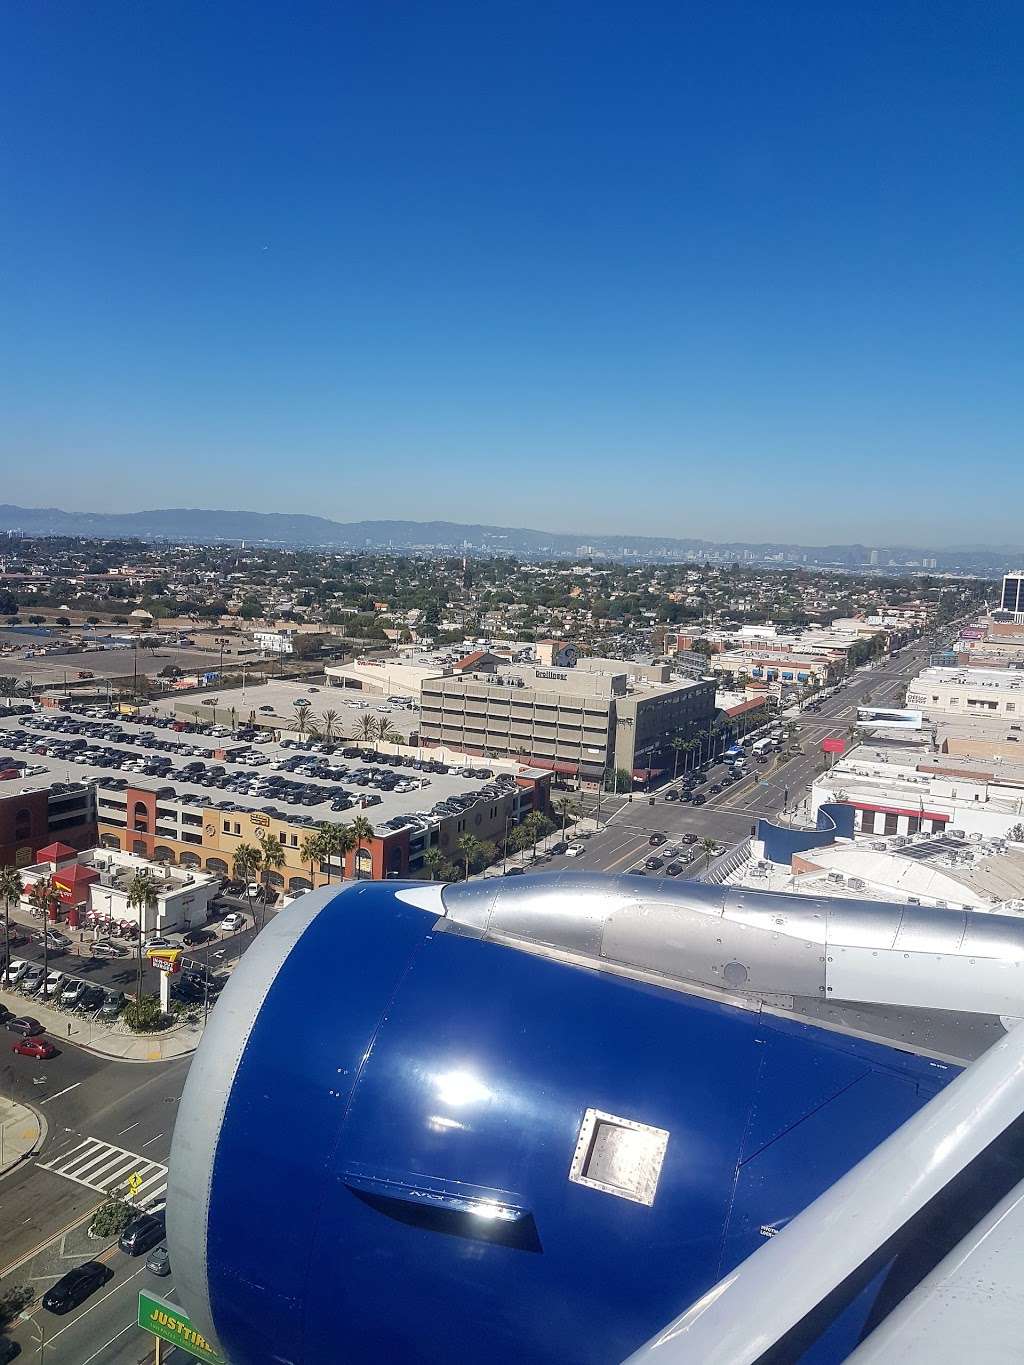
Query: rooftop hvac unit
x=879, y=846
x=975, y=837
x=967, y=856
x=955, y=833
x=942, y=905
x=900, y=840
x=857, y=883
x=913, y=900
x=836, y=877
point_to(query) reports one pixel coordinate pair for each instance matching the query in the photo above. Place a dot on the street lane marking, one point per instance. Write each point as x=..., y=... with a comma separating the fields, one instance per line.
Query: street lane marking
x=129, y=1128
x=152, y=1140
x=102, y=1166
x=109, y=1343
x=66, y=1091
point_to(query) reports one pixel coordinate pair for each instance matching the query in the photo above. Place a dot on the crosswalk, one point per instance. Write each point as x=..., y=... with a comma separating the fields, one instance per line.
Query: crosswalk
x=108, y=1169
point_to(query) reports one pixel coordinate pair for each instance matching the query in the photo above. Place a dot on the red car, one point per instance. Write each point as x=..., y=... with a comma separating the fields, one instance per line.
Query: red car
x=35, y=1047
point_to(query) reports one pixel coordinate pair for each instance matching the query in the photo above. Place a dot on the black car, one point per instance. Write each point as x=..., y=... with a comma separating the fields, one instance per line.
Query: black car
x=698, y=799
x=656, y=839
x=143, y=1233
x=9, y=1350
x=74, y=1287
x=674, y=869
x=672, y=796
x=196, y=936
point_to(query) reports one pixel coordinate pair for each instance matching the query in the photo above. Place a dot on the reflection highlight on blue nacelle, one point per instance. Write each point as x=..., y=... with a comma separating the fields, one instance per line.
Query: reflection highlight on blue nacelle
x=403, y=1143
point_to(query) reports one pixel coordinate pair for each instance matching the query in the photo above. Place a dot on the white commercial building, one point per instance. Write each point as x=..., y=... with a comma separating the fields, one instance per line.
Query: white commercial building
x=274, y=641
x=968, y=692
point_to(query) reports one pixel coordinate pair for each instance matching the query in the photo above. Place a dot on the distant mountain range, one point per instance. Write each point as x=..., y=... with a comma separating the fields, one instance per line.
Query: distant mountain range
x=203, y=526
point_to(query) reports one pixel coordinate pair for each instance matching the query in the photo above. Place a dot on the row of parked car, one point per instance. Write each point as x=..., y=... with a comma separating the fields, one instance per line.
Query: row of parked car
x=61, y=991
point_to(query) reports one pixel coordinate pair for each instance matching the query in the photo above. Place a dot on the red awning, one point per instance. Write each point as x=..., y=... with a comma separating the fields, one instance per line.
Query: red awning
x=898, y=810
x=55, y=853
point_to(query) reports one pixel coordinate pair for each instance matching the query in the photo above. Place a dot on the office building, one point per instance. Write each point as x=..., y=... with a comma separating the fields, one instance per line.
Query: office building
x=578, y=721
x=1011, y=599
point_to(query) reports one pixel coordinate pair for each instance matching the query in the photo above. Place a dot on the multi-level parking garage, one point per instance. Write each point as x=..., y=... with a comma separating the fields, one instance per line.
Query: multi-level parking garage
x=191, y=796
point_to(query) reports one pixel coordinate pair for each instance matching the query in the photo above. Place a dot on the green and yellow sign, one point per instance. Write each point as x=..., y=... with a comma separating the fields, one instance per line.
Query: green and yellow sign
x=164, y=1320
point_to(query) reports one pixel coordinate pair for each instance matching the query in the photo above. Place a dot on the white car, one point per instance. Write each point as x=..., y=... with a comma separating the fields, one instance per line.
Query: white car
x=233, y=922
x=53, y=986
x=18, y=969
x=575, y=850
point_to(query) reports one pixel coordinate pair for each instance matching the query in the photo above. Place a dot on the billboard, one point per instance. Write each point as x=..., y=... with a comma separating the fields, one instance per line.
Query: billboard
x=973, y=633
x=888, y=718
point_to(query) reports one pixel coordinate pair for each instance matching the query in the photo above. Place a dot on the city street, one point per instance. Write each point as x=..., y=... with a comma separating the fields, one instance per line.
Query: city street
x=728, y=817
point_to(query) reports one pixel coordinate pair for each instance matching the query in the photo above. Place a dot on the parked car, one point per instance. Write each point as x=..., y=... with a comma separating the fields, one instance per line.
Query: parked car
x=113, y=1004
x=105, y=947
x=673, y=869
x=143, y=1233
x=18, y=968
x=72, y=993
x=33, y=978
x=25, y=1025
x=196, y=936
x=656, y=839
x=35, y=1047
x=76, y=1286
x=575, y=850
x=159, y=1261
x=233, y=922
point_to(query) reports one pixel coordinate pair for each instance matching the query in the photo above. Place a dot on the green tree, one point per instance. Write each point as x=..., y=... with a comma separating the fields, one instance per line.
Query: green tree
x=41, y=894
x=330, y=722
x=142, y=896
x=363, y=833
x=10, y=891
x=11, y=688
x=366, y=729
x=568, y=810
x=245, y=865
x=468, y=845
x=310, y=852
x=708, y=847
x=272, y=856
x=433, y=861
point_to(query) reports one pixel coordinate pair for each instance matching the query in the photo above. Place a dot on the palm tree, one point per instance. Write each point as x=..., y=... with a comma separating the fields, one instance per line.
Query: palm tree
x=330, y=725
x=310, y=852
x=469, y=846
x=433, y=860
x=273, y=860
x=680, y=745
x=536, y=826
x=568, y=810
x=41, y=894
x=366, y=729
x=344, y=841
x=302, y=710
x=142, y=894
x=10, y=890
x=246, y=868
x=386, y=733
x=708, y=847
x=362, y=832
x=11, y=688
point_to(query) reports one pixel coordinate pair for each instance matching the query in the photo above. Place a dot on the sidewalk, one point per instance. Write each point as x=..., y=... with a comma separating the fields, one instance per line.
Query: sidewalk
x=22, y=1131
x=106, y=1040
x=584, y=827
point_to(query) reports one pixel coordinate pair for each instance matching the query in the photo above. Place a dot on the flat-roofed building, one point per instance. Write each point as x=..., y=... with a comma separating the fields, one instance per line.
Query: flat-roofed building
x=968, y=692
x=578, y=721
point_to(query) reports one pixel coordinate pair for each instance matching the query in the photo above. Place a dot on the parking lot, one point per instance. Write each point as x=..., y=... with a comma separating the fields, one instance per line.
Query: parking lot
x=272, y=704
x=304, y=782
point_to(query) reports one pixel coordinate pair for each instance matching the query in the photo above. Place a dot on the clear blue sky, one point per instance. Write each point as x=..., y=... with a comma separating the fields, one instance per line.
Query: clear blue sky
x=745, y=270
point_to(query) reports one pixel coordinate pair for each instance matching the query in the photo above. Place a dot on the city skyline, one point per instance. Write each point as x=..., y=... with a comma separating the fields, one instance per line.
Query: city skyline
x=740, y=273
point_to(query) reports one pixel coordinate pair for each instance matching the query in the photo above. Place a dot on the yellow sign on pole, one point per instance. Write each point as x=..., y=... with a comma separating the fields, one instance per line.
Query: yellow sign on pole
x=134, y=1183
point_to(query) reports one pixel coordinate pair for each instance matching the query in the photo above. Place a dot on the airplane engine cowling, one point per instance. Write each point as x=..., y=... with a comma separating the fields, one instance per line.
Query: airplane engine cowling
x=402, y=1142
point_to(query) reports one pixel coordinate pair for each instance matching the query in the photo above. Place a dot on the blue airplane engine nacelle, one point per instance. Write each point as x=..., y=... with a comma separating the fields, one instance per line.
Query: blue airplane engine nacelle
x=403, y=1142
